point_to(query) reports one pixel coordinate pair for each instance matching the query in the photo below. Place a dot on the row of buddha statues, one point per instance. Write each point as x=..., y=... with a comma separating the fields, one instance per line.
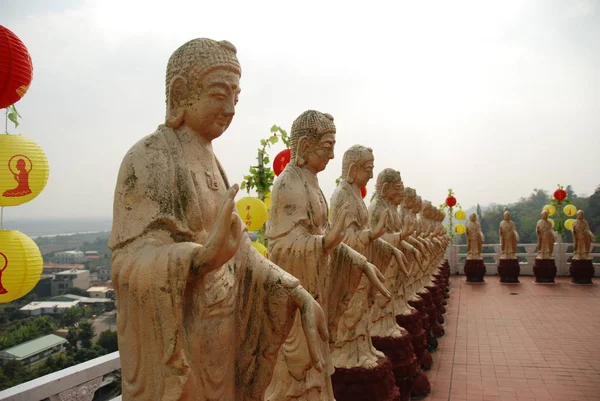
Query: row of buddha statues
x=201, y=315
x=546, y=237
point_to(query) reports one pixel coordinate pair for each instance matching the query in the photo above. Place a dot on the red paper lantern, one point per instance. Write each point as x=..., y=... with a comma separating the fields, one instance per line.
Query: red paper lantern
x=560, y=195
x=363, y=192
x=16, y=70
x=450, y=201
x=281, y=160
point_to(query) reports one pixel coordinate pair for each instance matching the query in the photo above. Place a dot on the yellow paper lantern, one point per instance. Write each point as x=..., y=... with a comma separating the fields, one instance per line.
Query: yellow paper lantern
x=569, y=224
x=260, y=248
x=570, y=210
x=551, y=222
x=459, y=229
x=20, y=265
x=460, y=215
x=551, y=209
x=253, y=212
x=23, y=170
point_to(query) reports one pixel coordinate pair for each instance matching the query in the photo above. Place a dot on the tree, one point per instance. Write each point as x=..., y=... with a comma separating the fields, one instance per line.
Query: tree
x=108, y=341
x=86, y=333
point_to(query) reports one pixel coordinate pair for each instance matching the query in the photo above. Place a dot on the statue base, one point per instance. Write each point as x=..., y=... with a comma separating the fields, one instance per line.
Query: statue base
x=360, y=384
x=413, y=323
x=544, y=271
x=475, y=270
x=404, y=363
x=509, y=270
x=581, y=271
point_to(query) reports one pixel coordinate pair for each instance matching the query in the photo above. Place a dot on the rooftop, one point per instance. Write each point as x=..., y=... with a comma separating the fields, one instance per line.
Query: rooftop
x=519, y=342
x=72, y=271
x=32, y=347
x=64, y=266
x=50, y=304
x=98, y=289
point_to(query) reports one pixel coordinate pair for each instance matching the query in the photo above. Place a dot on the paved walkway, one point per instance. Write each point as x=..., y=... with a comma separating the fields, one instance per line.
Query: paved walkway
x=519, y=342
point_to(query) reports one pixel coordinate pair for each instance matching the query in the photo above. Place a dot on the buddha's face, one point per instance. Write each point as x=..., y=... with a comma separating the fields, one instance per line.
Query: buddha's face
x=364, y=173
x=473, y=218
x=580, y=215
x=506, y=216
x=395, y=192
x=544, y=215
x=409, y=200
x=320, y=152
x=209, y=113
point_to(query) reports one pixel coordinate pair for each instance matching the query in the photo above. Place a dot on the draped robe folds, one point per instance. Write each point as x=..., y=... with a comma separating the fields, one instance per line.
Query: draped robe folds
x=409, y=222
x=353, y=347
x=545, y=235
x=508, y=239
x=187, y=336
x=582, y=240
x=474, y=240
x=297, y=226
x=383, y=315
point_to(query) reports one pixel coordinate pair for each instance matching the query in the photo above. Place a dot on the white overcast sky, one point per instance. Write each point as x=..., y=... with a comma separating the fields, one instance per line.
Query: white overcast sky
x=491, y=98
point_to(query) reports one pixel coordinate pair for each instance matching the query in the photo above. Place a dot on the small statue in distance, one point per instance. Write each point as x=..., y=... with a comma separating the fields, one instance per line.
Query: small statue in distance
x=509, y=238
x=582, y=238
x=475, y=238
x=545, y=237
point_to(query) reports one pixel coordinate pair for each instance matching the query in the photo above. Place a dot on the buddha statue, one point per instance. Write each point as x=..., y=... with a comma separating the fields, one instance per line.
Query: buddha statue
x=545, y=237
x=201, y=314
x=582, y=238
x=305, y=244
x=509, y=238
x=475, y=238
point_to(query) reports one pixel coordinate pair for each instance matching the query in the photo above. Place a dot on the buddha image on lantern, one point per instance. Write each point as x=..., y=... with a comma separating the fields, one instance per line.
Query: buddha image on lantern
x=248, y=216
x=20, y=166
x=4, y=264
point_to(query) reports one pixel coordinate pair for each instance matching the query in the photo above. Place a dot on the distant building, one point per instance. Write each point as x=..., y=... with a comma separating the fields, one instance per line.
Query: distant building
x=34, y=350
x=92, y=255
x=100, y=292
x=47, y=307
x=69, y=257
x=103, y=272
x=43, y=288
x=53, y=268
x=69, y=279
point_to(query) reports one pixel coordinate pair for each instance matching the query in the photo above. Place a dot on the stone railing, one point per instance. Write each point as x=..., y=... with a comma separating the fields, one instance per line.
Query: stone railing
x=526, y=253
x=77, y=383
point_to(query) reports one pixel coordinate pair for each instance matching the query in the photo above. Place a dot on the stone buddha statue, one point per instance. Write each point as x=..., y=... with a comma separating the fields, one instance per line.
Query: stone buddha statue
x=582, y=238
x=545, y=237
x=475, y=238
x=302, y=241
x=509, y=238
x=201, y=314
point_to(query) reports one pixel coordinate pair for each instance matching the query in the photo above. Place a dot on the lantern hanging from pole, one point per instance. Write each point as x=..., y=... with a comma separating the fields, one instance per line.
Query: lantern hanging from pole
x=260, y=248
x=460, y=215
x=23, y=170
x=281, y=160
x=20, y=265
x=560, y=194
x=570, y=210
x=16, y=69
x=450, y=201
x=253, y=212
x=551, y=209
x=569, y=224
x=459, y=229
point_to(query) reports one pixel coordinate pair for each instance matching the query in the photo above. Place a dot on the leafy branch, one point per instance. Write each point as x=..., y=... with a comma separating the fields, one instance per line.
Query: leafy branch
x=13, y=115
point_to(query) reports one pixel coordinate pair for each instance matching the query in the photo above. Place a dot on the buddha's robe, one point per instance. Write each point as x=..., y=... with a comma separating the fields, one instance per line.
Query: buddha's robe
x=383, y=316
x=508, y=239
x=582, y=240
x=297, y=227
x=474, y=240
x=353, y=347
x=545, y=234
x=185, y=335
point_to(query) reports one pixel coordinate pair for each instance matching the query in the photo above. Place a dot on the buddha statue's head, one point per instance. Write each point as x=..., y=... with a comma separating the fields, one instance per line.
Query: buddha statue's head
x=426, y=209
x=410, y=196
x=357, y=165
x=580, y=215
x=389, y=186
x=544, y=215
x=473, y=217
x=417, y=204
x=507, y=215
x=202, y=87
x=440, y=216
x=312, y=140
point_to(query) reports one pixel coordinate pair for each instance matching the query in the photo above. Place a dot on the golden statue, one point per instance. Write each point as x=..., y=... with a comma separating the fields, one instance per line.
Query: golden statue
x=509, y=238
x=582, y=238
x=201, y=314
x=475, y=238
x=545, y=236
x=302, y=241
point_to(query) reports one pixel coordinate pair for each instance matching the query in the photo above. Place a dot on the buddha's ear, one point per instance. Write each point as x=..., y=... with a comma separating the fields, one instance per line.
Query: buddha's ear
x=302, y=148
x=176, y=95
x=352, y=170
x=384, y=188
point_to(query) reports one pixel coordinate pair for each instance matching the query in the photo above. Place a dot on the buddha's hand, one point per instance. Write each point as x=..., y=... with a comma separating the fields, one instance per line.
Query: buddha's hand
x=376, y=278
x=224, y=238
x=369, y=235
x=402, y=262
x=313, y=324
x=335, y=235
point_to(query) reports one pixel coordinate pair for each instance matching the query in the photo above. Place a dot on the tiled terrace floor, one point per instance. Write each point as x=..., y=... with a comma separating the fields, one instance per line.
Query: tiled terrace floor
x=519, y=342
